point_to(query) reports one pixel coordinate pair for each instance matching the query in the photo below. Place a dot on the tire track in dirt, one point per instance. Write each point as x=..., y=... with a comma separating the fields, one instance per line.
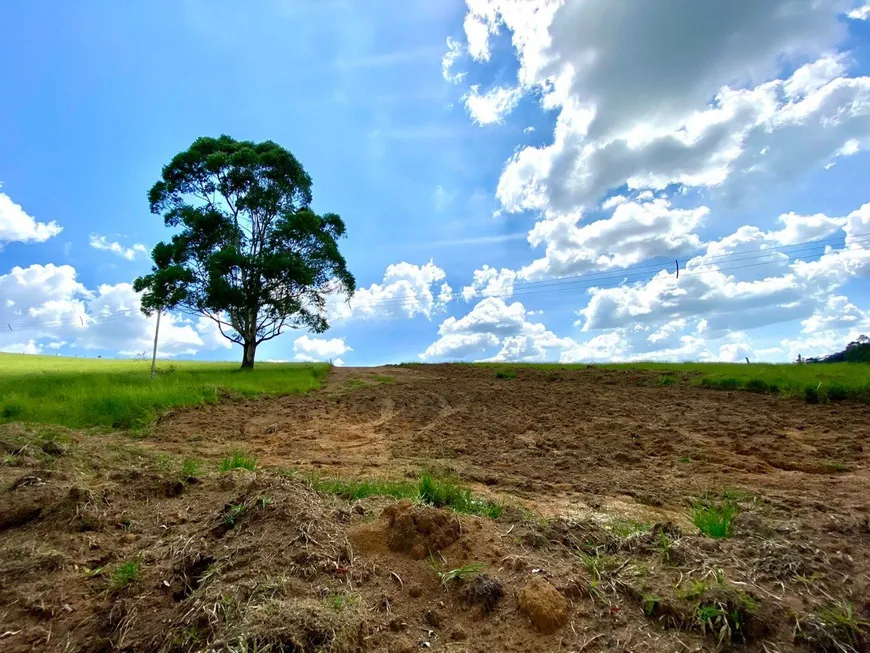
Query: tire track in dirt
x=551, y=438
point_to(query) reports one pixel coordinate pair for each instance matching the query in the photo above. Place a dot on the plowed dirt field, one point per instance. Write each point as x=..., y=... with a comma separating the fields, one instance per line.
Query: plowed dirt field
x=108, y=542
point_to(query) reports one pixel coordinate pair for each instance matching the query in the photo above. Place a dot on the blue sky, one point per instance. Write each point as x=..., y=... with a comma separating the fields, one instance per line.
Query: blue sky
x=522, y=136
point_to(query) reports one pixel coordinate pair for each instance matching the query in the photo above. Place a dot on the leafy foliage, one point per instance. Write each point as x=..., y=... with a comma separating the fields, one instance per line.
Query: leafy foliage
x=857, y=351
x=249, y=253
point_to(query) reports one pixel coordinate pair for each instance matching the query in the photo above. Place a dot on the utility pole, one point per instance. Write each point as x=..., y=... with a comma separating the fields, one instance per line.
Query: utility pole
x=154, y=355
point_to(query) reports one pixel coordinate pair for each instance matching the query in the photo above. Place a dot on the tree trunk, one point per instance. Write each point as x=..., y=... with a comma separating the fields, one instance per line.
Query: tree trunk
x=250, y=348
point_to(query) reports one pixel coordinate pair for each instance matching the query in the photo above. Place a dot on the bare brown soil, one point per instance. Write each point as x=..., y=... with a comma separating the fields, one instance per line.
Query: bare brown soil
x=608, y=559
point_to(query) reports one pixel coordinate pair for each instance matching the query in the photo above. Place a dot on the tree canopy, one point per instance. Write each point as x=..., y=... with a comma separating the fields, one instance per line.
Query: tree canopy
x=857, y=351
x=249, y=252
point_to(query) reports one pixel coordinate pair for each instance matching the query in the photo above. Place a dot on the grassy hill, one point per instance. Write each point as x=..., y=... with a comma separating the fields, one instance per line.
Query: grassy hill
x=88, y=392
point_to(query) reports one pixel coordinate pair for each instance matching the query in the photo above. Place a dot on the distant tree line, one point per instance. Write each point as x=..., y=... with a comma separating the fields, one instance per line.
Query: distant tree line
x=857, y=351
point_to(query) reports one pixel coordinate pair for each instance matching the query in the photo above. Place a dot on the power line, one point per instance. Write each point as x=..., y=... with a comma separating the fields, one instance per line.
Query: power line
x=582, y=282
x=765, y=252
x=592, y=280
x=576, y=282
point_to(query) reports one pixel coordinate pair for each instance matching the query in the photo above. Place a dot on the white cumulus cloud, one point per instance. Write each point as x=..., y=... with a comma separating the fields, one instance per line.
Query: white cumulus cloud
x=641, y=115
x=311, y=349
x=47, y=305
x=407, y=290
x=17, y=226
x=489, y=281
x=636, y=231
x=492, y=106
x=130, y=253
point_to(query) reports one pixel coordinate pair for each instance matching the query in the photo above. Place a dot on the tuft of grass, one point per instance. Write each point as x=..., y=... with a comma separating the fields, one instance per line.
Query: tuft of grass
x=719, y=621
x=667, y=379
x=234, y=514
x=721, y=384
x=238, y=460
x=459, y=574
x=443, y=492
x=693, y=591
x=714, y=519
x=126, y=573
x=11, y=460
x=120, y=394
x=11, y=410
x=758, y=385
x=338, y=601
x=726, y=617
x=627, y=527
x=384, y=378
x=598, y=564
x=837, y=392
x=429, y=489
x=360, y=489
x=842, y=622
x=505, y=374
x=189, y=468
x=650, y=602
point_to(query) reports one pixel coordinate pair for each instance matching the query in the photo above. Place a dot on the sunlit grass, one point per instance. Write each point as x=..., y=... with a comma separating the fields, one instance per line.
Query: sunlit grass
x=428, y=489
x=87, y=392
x=815, y=383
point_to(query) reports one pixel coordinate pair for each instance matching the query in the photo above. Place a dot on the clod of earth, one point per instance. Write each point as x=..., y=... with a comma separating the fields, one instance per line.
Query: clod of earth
x=542, y=603
x=52, y=448
x=13, y=515
x=484, y=591
x=420, y=530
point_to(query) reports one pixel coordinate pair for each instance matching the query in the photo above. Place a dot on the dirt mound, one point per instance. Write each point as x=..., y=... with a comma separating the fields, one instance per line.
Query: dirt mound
x=542, y=603
x=420, y=530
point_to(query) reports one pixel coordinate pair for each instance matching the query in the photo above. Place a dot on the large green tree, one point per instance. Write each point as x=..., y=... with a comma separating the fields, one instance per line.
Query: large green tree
x=248, y=252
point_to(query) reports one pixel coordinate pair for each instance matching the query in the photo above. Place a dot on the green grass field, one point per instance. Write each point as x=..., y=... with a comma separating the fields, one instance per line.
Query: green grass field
x=816, y=383
x=87, y=392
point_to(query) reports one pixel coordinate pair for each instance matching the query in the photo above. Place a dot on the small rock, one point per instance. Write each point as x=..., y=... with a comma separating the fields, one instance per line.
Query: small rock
x=173, y=488
x=433, y=618
x=403, y=645
x=129, y=538
x=458, y=634
x=397, y=625
x=52, y=448
x=708, y=545
x=542, y=603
